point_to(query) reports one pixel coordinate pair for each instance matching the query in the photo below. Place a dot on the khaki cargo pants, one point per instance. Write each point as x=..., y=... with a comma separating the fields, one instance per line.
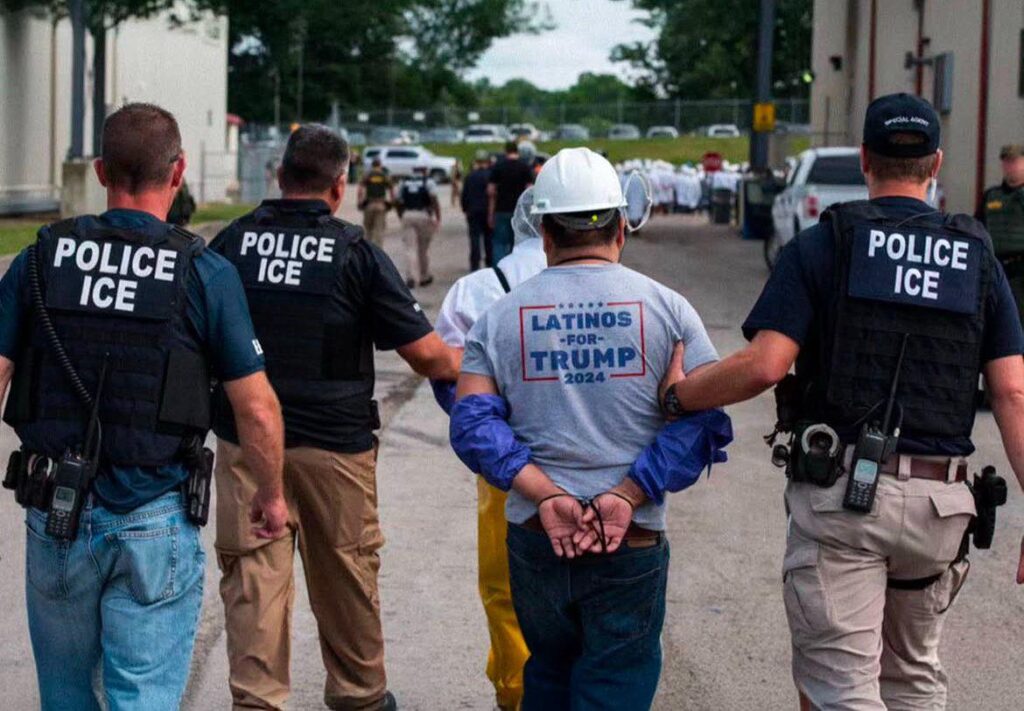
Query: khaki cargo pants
x=860, y=643
x=375, y=216
x=417, y=232
x=332, y=502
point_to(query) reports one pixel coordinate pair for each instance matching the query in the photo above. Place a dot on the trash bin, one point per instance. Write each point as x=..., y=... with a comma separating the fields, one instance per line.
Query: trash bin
x=721, y=206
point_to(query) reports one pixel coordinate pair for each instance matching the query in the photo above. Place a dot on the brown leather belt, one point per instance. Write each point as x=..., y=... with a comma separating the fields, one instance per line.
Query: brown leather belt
x=926, y=469
x=636, y=536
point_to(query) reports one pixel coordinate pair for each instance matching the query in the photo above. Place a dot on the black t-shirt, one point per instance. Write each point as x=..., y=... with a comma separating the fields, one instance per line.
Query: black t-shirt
x=803, y=283
x=512, y=178
x=374, y=305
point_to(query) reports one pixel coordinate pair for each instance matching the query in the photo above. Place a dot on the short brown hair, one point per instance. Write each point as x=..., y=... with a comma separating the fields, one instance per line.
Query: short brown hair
x=314, y=159
x=567, y=238
x=917, y=170
x=141, y=142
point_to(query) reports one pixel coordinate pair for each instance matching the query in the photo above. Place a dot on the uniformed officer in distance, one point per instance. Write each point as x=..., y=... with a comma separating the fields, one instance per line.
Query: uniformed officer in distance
x=127, y=292
x=322, y=297
x=1002, y=212
x=375, y=197
x=866, y=594
x=420, y=212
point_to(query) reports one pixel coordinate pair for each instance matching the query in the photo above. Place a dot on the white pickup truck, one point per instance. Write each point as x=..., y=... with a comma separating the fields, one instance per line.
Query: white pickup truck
x=822, y=177
x=400, y=161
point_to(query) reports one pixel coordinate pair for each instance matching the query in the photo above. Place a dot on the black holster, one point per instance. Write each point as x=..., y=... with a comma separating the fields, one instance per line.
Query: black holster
x=990, y=493
x=197, y=487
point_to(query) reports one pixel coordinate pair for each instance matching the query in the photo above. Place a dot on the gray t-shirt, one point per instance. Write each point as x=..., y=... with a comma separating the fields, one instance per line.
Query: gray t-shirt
x=578, y=352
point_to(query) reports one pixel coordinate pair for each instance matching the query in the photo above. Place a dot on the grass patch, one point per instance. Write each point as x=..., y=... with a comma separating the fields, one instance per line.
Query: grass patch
x=16, y=236
x=220, y=212
x=674, y=150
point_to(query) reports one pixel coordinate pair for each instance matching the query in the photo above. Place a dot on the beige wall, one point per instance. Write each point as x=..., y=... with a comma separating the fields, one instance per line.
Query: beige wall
x=182, y=69
x=953, y=26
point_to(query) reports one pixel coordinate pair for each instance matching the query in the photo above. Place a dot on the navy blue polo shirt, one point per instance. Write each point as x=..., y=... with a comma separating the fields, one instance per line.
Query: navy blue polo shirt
x=803, y=283
x=218, y=311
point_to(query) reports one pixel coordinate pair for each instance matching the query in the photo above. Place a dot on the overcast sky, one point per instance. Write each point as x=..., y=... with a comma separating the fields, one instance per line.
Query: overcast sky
x=586, y=31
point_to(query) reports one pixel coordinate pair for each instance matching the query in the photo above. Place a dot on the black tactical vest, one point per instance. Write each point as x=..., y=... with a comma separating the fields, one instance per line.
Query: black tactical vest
x=415, y=195
x=910, y=276
x=291, y=277
x=376, y=185
x=117, y=296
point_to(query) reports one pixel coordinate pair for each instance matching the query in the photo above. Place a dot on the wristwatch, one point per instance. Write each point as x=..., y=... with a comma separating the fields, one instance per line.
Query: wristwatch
x=670, y=405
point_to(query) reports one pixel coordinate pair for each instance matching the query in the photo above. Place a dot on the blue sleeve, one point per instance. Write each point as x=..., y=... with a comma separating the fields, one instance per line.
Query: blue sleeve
x=1003, y=334
x=13, y=306
x=681, y=451
x=220, y=312
x=444, y=394
x=786, y=304
x=483, y=440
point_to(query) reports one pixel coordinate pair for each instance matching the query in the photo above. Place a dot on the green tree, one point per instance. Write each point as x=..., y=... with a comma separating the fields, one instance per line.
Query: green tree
x=708, y=49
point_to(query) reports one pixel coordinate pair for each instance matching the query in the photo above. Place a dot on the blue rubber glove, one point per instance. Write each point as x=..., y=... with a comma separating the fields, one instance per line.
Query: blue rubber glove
x=681, y=451
x=481, y=437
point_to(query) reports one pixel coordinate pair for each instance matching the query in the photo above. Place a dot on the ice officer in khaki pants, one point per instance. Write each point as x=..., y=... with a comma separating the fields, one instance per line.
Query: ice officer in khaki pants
x=322, y=298
x=868, y=579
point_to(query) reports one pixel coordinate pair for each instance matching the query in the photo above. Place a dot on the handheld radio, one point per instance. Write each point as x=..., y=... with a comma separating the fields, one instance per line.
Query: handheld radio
x=74, y=475
x=874, y=445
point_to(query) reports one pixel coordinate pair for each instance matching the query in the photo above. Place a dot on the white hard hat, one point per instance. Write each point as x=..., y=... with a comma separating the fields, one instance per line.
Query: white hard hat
x=576, y=180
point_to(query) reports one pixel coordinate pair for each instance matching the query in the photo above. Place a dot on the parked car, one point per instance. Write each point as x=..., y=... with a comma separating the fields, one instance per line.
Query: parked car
x=443, y=135
x=723, y=130
x=662, y=132
x=400, y=161
x=572, y=132
x=485, y=133
x=390, y=135
x=523, y=132
x=822, y=177
x=624, y=132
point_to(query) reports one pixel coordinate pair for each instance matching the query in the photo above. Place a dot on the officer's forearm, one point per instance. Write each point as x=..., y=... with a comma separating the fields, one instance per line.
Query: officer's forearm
x=741, y=376
x=431, y=357
x=1005, y=379
x=260, y=430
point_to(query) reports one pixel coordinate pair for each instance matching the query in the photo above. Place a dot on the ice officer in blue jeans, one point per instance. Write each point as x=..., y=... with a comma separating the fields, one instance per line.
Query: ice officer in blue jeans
x=131, y=313
x=557, y=404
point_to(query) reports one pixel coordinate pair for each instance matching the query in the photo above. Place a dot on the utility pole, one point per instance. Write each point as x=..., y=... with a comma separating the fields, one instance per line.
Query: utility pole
x=302, y=51
x=77, y=12
x=763, y=90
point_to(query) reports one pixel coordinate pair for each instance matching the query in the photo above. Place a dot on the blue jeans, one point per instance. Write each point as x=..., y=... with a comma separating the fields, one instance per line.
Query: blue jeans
x=593, y=625
x=503, y=238
x=125, y=593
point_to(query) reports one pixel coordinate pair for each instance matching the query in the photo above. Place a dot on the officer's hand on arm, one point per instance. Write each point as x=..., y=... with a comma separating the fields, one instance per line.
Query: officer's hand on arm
x=433, y=358
x=261, y=435
x=743, y=375
x=1005, y=379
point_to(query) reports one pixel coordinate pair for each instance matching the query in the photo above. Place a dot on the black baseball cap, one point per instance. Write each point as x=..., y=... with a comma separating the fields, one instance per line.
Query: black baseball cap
x=901, y=113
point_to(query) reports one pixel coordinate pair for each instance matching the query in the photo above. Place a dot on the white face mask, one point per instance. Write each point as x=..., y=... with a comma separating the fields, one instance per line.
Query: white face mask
x=933, y=190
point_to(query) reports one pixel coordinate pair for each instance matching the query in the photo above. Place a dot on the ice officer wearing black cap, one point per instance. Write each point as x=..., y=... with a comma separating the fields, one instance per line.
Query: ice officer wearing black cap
x=889, y=310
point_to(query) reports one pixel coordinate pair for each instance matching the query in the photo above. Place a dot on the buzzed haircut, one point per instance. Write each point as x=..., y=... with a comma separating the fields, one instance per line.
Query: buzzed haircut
x=511, y=147
x=917, y=170
x=141, y=143
x=314, y=159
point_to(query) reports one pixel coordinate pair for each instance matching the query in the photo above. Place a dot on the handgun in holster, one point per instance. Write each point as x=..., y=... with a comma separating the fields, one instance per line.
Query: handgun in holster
x=197, y=487
x=989, y=491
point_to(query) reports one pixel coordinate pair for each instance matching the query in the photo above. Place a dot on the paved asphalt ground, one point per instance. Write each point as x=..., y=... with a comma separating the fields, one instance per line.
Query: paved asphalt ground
x=725, y=640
